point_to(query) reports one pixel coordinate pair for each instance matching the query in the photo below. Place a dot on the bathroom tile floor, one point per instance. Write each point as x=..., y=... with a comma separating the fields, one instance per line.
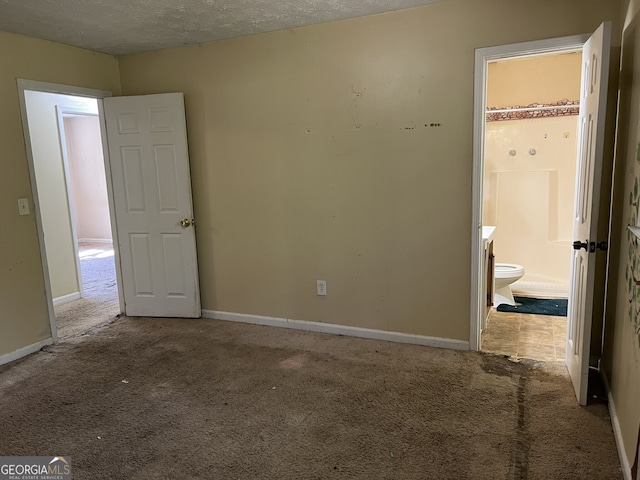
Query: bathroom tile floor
x=538, y=337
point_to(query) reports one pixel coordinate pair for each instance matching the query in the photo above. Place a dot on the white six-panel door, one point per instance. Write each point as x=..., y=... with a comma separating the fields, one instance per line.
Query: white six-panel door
x=593, y=101
x=149, y=163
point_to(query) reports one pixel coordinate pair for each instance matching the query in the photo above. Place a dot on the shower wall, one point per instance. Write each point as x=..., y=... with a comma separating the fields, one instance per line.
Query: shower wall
x=529, y=194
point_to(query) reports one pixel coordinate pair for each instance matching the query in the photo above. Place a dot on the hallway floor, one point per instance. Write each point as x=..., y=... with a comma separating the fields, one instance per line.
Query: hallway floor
x=99, y=304
x=537, y=337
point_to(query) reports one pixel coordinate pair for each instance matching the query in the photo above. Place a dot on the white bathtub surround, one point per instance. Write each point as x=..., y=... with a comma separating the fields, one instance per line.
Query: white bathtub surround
x=526, y=288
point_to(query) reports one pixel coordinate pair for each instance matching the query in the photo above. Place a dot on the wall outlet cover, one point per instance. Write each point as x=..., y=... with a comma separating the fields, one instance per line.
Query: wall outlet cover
x=23, y=206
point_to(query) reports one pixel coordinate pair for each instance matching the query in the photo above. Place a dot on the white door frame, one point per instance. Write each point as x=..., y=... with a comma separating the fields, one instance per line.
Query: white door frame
x=78, y=92
x=482, y=57
x=64, y=111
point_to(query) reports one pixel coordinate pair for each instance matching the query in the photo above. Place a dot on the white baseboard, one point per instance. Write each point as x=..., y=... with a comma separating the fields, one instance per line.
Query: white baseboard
x=66, y=299
x=24, y=351
x=95, y=240
x=338, y=329
x=617, y=432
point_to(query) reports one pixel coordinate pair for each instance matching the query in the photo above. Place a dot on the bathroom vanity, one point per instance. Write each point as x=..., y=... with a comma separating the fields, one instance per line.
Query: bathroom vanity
x=489, y=265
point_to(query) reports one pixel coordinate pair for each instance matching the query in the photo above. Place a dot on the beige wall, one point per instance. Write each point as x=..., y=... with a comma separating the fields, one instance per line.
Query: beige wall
x=24, y=319
x=88, y=183
x=622, y=340
x=311, y=159
x=531, y=77
x=529, y=198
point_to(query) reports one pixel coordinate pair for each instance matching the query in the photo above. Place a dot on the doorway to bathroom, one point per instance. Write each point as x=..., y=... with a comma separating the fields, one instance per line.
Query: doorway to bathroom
x=588, y=260
x=529, y=177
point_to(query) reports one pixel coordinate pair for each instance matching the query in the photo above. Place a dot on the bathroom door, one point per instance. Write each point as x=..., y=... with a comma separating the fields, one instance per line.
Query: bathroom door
x=593, y=100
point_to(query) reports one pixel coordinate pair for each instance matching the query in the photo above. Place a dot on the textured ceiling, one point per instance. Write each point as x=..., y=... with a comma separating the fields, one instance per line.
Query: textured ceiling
x=122, y=27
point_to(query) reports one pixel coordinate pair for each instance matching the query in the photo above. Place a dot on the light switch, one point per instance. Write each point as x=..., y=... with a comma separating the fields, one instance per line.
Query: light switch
x=23, y=206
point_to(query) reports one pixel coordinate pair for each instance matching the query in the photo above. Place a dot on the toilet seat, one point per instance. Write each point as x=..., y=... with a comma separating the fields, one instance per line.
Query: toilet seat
x=508, y=270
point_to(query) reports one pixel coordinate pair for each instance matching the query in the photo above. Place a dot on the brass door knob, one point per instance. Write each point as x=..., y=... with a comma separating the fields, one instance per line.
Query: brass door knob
x=185, y=222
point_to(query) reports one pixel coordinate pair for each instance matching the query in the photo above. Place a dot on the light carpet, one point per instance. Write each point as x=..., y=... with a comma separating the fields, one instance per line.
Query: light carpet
x=99, y=304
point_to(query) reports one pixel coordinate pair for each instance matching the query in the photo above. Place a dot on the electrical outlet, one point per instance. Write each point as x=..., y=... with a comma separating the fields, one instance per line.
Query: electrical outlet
x=321, y=287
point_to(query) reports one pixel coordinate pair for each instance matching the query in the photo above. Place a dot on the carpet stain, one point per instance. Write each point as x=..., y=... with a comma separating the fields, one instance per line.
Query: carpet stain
x=502, y=369
x=521, y=444
x=295, y=362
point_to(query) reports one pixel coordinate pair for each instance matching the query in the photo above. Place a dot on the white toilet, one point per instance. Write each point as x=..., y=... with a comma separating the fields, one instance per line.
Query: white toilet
x=505, y=275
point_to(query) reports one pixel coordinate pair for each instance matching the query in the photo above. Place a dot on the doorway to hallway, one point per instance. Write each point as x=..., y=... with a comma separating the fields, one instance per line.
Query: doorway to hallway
x=69, y=173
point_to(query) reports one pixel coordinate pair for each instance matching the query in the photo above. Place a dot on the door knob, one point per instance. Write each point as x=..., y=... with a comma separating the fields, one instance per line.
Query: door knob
x=185, y=222
x=577, y=245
